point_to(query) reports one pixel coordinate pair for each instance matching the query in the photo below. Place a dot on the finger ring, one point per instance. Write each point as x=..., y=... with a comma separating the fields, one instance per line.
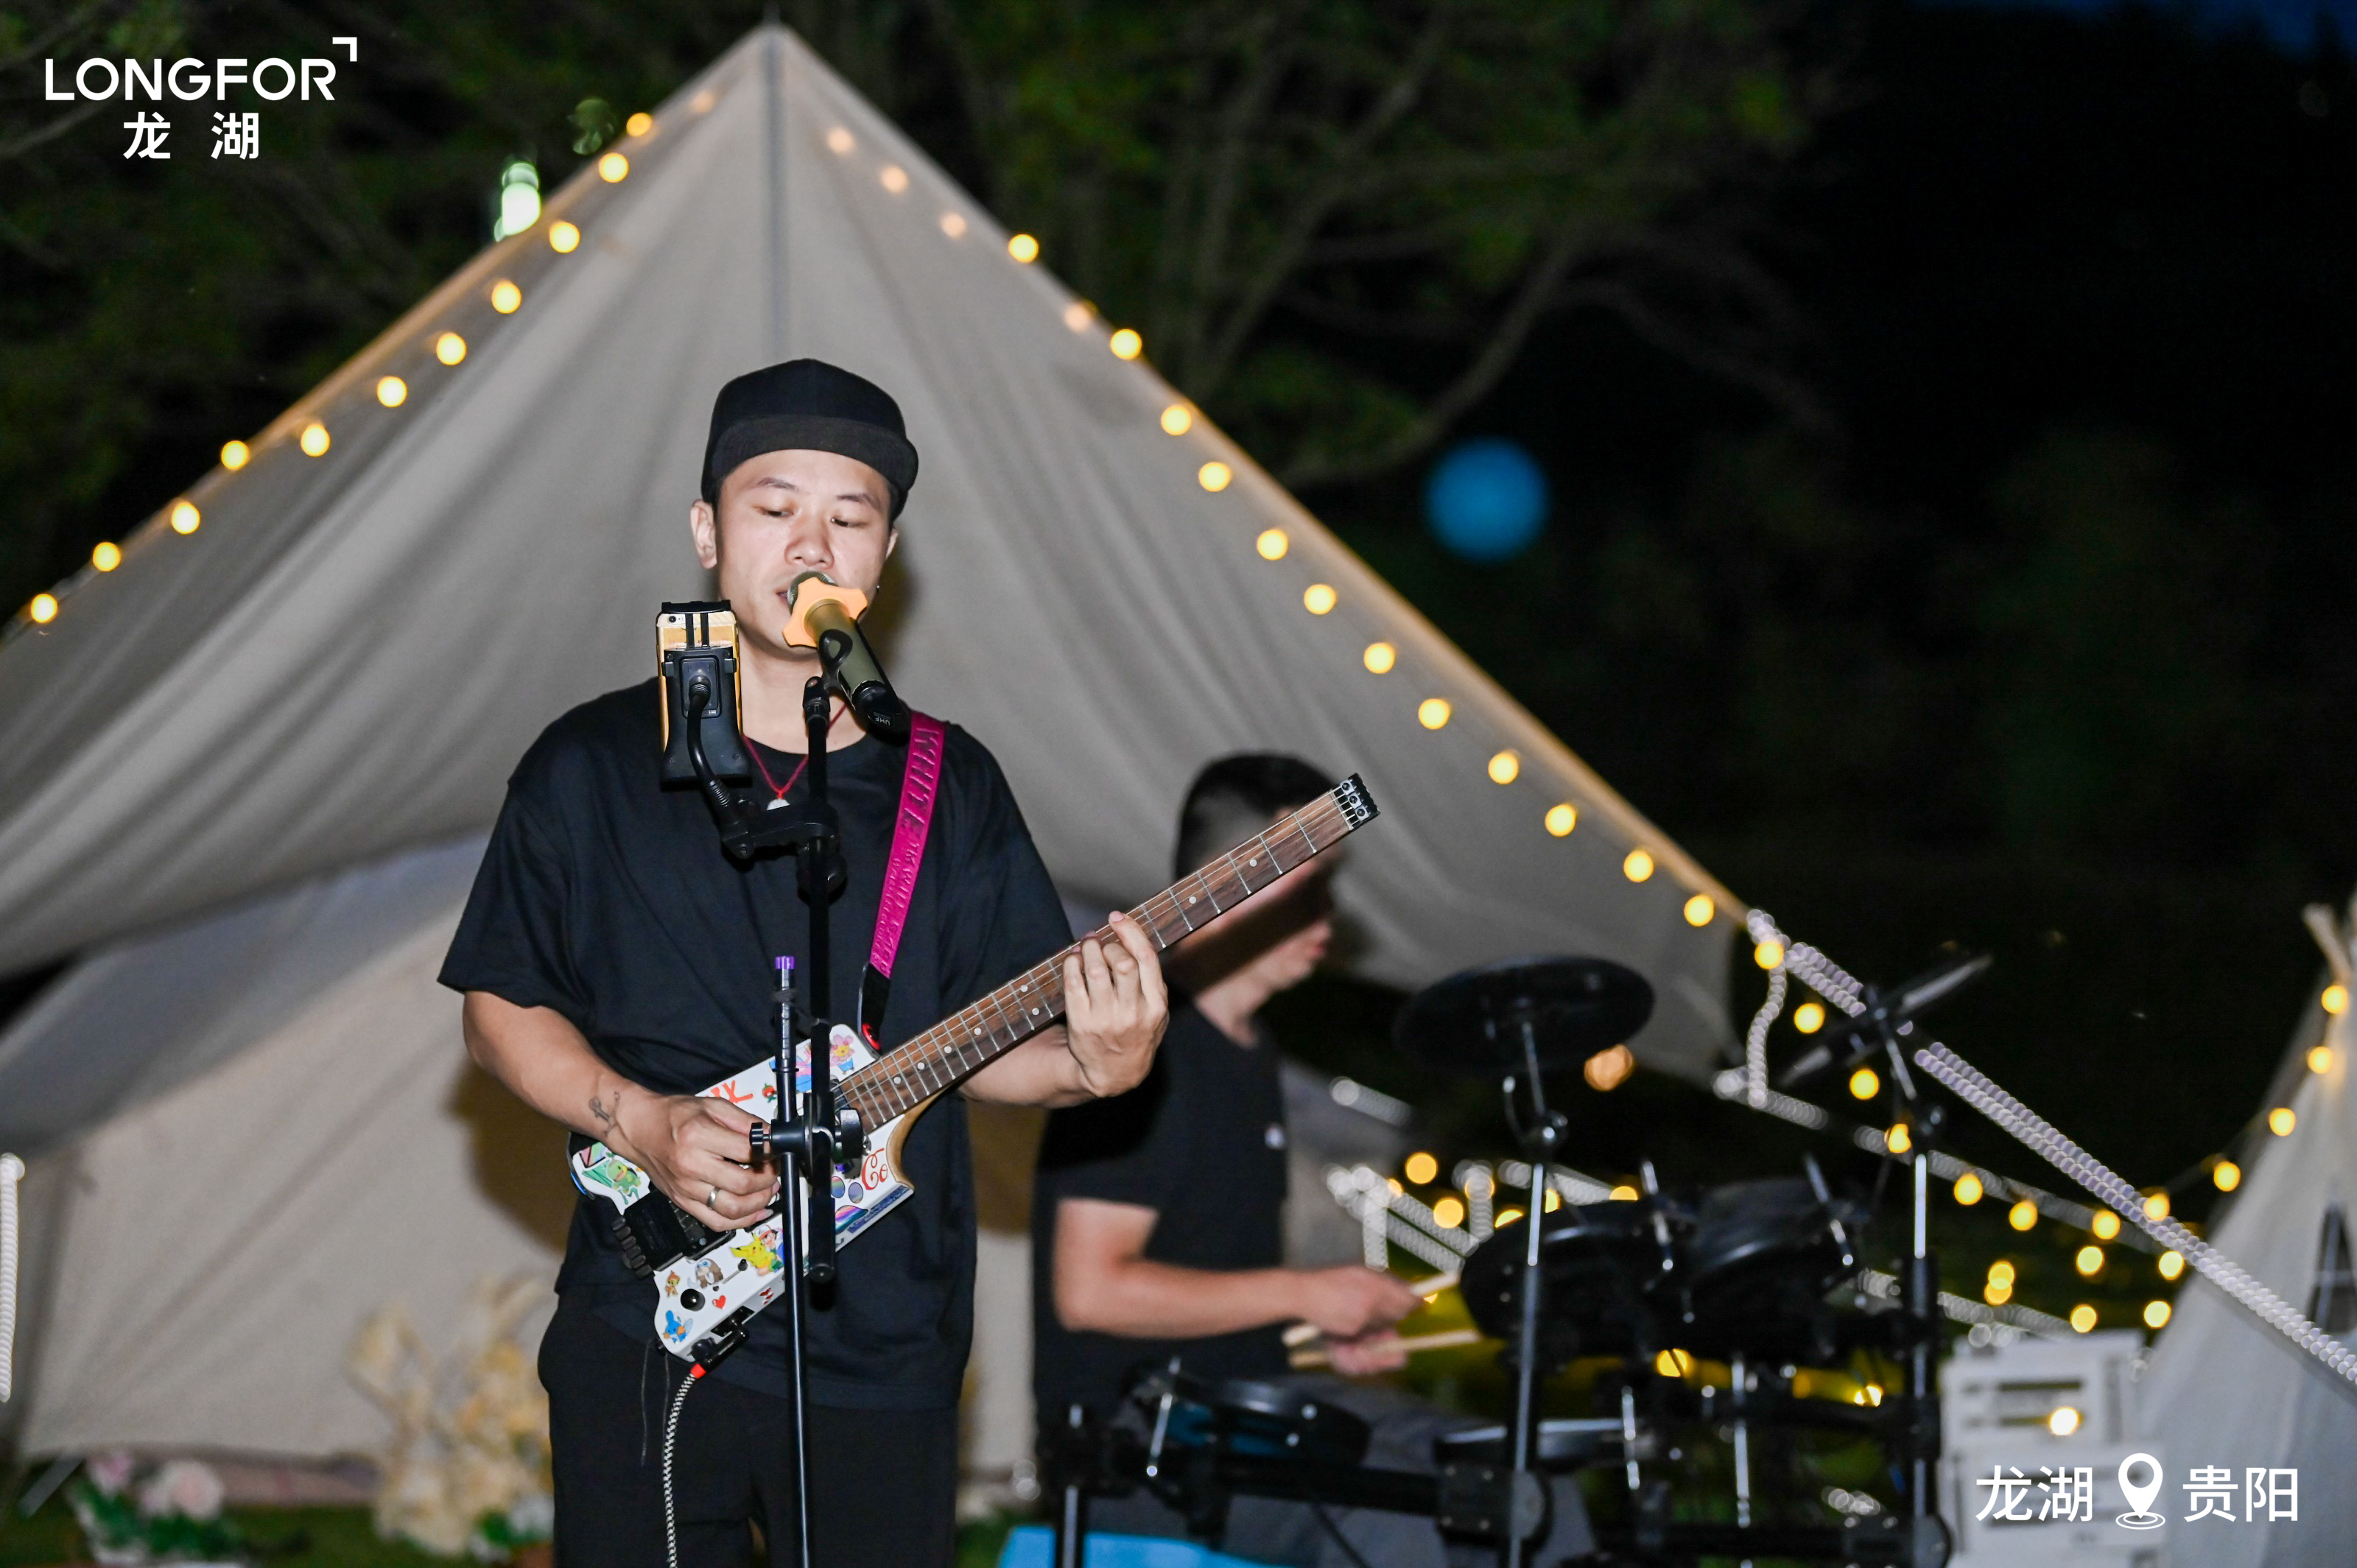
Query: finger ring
x=712, y=1198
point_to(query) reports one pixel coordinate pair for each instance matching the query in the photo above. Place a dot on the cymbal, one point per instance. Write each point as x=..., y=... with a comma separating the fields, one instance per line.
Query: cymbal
x=1472, y=1022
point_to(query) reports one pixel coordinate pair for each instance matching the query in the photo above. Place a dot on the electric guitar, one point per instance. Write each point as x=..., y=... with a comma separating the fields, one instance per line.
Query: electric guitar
x=712, y=1283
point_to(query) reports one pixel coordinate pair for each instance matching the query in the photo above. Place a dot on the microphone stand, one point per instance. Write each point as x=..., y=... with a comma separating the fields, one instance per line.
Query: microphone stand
x=811, y=1135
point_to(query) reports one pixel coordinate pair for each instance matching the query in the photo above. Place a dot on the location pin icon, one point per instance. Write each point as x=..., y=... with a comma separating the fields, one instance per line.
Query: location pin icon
x=2140, y=1497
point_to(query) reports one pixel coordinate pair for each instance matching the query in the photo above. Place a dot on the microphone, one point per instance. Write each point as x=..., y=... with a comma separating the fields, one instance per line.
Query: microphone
x=824, y=614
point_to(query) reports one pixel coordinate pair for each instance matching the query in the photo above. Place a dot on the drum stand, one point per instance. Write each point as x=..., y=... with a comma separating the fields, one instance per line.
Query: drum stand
x=1919, y=1301
x=1541, y=1136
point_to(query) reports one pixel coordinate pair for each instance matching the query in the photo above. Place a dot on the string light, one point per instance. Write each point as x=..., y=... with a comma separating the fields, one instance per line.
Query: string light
x=1271, y=545
x=1177, y=419
x=1126, y=344
x=1214, y=475
x=1638, y=866
x=1077, y=316
x=1768, y=954
x=314, y=440
x=2227, y=1175
x=2156, y=1205
x=1505, y=1216
x=1554, y=1200
x=2172, y=1264
x=954, y=225
x=2319, y=1059
x=1506, y=767
x=2082, y=1319
x=235, y=455
x=1419, y=1167
x=1449, y=1213
x=1023, y=248
x=2065, y=1420
x=2089, y=1260
x=2001, y=1273
x=1380, y=657
x=613, y=168
x=1808, y=1017
x=840, y=141
x=640, y=123
x=2156, y=1314
x=2106, y=1225
x=392, y=391
x=2022, y=1215
x=1968, y=1189
x=702, y=102
x=1318, y=598
x=1623, y=1193
x=506, y=297
x=893, y=177
x=107, y=556
x=1433, y=712
x=1673, y=1363
x=449, y=348
x=1898, y=1140
x=185, y=517
x=564, y=237
x=1699, y=909
x=1997, y=1294
x=1864, y=1084
x=2281, y=1121
x=1561, y=818
x=43, y=609
x=1607, y=1071
x=2335, y=1000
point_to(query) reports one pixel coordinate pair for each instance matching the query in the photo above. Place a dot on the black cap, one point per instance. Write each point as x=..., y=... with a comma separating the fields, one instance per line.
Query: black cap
x=809, y=405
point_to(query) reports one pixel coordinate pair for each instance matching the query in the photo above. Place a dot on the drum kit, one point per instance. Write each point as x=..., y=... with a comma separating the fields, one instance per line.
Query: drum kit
x=1757, y=1275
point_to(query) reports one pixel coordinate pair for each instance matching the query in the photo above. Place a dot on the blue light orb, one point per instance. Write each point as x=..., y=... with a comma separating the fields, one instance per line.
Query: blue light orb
x=1487, y=499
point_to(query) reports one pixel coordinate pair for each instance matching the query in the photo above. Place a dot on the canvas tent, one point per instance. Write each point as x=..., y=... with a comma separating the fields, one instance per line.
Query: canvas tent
x=2225, y=1391
x=241, y=777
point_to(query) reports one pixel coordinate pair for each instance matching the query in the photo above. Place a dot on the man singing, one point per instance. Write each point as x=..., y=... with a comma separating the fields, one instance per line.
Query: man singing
x=615, y=961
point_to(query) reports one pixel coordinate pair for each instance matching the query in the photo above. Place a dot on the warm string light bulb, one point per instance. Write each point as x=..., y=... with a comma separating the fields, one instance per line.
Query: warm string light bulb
x=1379, y=658
x=2064, y=1422
x=2089, y=1260
x=1077, y=316
x=2227, y=1175
x=2171, y=1264
x=1865, y=1084
x=1126, y=344
x=1968, y=1189
x=1699, y=910
x=314, y=440
x=2156, y=1314
x=107, y=556
x=2106, y=1225
x=1623, y=1193
x=840, y=141
x=1023, y=248
x=954, y=225
x=1419, y=1169
x=2335, y=1000
x=1449, y=1213
x=2082, y=1319
x=1433, y=712
x=2156, y=1205
x=613, y=168
x=2022, y=1215
x=1808, y=1017
x=506, y=298
x=1638, y=866
x=640, y=123
x=1607, y=1071
x=1897, y=1139
x=235, y=455
x=1318, y=598
x=185, y=517
x=2281, y=1121
x=1561, y=818
x=1768, y=954
x=449, y=348
x=893, y=177
x=1177, y=419
x=2319, y=1059
x=1214, y=475
x=1271, y=545
x=43, y=609
x=392, y=390
x=1506, y=767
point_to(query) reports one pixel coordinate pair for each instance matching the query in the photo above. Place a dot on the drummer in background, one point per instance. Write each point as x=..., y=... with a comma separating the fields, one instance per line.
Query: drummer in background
x=1156, y=1216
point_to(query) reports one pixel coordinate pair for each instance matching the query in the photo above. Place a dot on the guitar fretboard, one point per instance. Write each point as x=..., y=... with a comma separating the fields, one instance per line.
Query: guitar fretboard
x=972, y=1038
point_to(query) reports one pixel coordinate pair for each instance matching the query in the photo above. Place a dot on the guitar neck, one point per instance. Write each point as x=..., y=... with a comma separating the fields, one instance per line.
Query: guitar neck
x=972, y=1038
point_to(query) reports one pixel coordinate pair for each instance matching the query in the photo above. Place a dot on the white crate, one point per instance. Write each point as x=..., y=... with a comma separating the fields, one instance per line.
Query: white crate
x=2013, y=1389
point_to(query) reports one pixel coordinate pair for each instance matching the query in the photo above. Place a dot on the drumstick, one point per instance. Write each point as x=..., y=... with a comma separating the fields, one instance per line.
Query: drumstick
x=1302, y=1359
x=1303, y=1333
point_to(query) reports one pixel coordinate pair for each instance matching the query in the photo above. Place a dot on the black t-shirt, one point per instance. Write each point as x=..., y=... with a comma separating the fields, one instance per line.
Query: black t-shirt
x=1201, y=1142
x=608, y=897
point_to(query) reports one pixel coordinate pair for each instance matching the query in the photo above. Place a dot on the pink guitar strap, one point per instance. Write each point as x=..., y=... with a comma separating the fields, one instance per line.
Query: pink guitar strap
x=920, y=783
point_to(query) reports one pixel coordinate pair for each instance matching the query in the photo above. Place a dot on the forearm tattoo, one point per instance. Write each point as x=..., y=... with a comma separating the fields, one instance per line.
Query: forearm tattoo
x=605, y=1117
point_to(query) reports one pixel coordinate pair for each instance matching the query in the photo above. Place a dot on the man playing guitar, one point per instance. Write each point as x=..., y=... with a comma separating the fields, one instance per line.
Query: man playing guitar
x=614, y=960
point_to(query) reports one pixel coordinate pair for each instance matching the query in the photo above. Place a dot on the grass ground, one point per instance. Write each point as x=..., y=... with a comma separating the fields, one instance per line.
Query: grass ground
x=328, y=1537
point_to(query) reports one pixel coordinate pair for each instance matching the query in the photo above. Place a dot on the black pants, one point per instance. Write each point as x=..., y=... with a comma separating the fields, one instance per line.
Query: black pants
x=883, y=1483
